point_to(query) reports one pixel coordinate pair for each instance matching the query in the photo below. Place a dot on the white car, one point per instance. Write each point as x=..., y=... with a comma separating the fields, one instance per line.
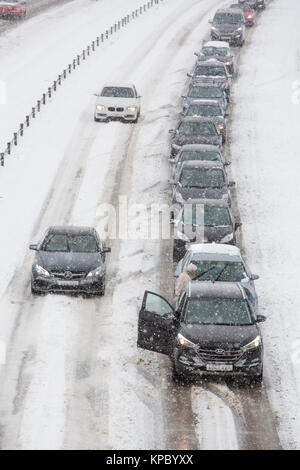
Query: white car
x=118, y=102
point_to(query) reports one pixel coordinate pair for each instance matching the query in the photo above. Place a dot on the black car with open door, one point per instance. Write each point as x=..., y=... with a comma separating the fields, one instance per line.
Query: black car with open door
x=213, y=330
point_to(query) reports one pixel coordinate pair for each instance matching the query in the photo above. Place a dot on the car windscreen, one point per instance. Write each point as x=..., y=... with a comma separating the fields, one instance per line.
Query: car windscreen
x=205, y=92
x=210, y=71
x=227, y=18
x=213, y=216
x=198, y=155
x=219, y=271
x=202, y=178
x=117, y=92
x=217, y=312
x=203, y=110
x=70, y=243
x=197, y=128
x=213, y=51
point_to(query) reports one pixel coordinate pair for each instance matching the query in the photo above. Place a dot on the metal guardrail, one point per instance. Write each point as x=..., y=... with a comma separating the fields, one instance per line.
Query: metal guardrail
x=76, y=62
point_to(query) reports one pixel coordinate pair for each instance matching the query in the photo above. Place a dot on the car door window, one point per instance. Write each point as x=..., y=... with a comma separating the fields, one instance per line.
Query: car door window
x=158, y=305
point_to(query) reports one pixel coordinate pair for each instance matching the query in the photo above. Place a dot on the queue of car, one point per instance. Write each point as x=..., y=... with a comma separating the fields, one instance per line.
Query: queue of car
x=212, y=326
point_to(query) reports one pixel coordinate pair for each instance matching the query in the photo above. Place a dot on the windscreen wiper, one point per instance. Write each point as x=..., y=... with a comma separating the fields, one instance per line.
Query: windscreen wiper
x=202, y=274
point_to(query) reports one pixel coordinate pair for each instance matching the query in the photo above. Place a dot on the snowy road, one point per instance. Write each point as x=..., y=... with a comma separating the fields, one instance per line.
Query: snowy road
x=73, y=376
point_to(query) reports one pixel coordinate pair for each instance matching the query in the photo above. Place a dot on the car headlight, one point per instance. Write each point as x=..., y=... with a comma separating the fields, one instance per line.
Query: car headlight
x=40, y=270
x=100, y=107
x=227, y=63
x=221, y=127
x=213, y=28
x=240, y=29
x=176, y=147
x=132, y=109
x=227, y=238
x=184, y=342
x=253, y=345
x=182, y=236
x=96, y=272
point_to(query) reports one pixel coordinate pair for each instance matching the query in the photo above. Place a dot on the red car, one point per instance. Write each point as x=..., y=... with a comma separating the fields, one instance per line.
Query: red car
x=13, y=8
x=249, y=14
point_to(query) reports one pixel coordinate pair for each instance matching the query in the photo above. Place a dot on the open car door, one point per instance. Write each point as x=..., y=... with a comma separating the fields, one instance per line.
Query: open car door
x=156, y=326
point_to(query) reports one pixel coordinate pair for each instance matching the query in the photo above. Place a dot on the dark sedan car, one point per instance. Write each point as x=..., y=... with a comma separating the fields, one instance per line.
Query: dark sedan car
x=212, y=331
x=194, y=130
x=197, y=152
x=206, y=221
x=228, y=25
x=219, y=50
x=212, y=71
x=69, y=259
x=209, y=108
x=205, y=91
x=201, y=180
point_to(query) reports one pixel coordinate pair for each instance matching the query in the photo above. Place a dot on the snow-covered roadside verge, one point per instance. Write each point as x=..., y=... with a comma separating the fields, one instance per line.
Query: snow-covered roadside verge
x=265, y=163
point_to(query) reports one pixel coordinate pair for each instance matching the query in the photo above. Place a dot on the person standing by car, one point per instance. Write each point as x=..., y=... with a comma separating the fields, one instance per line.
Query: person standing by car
x=184, y=278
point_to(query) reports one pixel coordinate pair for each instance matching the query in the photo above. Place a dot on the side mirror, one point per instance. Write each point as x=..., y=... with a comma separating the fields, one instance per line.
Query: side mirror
x=226, y=114
x=172, y=182
x=254, y=277
x=96, y=94
x=231, y=184
x=196, y=54
x=237, y=225
x=33, y=247
x=260, y=318
x=139, y=96
x=172, y=131
x=189, y=75
x=210, y=21
x=227, y=163
x=106, y=249
x=171, y=160
x=183, y=96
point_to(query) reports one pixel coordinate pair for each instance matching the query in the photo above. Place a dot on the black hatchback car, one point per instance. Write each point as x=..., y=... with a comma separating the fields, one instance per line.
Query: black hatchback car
x=69, y=259
x=212, y=331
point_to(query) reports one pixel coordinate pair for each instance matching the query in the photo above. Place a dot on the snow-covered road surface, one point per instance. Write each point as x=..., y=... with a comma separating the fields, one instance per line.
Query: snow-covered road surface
x=74, y=378
x=265, y=154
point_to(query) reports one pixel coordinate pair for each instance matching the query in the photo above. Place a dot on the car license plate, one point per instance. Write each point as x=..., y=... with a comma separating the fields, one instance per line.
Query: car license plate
x=219, y=367
x=68, y=283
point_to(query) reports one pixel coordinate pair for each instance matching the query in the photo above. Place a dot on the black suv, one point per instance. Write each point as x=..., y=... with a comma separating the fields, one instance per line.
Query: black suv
x=229, y=25
x=212, y=331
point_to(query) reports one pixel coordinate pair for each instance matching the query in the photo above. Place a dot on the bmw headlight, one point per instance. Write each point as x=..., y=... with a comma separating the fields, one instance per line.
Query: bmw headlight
x=41, y=271
x=100, y=107
x=227, y=238
x=182, y=236
x=253, y=345
x=132, y=109
x=96, y=272
x=182, y=341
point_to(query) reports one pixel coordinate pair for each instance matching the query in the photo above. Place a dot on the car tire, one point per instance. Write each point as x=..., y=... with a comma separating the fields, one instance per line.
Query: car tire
x=257, y=379
x=102, y=290
x=176, y=376
x=34, y=291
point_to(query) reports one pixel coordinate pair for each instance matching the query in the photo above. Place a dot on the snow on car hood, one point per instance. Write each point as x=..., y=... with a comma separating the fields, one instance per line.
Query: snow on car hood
x=117, y=102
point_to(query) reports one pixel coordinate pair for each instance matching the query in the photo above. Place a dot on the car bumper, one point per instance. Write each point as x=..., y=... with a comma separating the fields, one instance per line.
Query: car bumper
x=249, y=365
x=117, y=115
x=11, y=14
x=231, y=38
x=43, y=285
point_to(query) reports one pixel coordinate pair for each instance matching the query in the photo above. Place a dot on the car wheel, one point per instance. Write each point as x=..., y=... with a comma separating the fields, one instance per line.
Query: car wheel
x=176, y=376
x=102, y=290
x=256, y=380
x=34, y=291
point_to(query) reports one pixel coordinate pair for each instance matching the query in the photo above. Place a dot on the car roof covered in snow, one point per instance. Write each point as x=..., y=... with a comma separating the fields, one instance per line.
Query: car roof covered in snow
x=216, y=44
x=216, y=290
x=200, y=147
x=71, y=229
x=202, y=164
x=215, y=252
x=204, y=102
